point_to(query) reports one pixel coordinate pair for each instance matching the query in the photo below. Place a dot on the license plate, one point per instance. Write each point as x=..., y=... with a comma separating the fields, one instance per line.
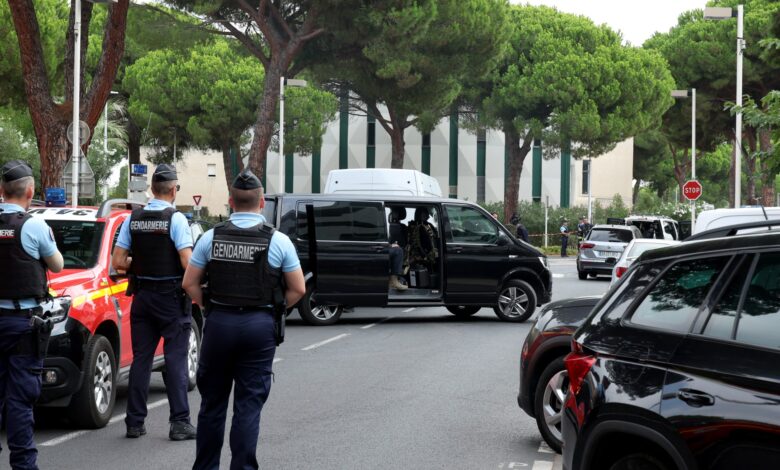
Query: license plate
x=610, y=254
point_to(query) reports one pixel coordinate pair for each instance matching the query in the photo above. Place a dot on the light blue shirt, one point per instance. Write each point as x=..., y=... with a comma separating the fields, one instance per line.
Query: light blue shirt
x=281, y=251
x=37, y=241
x=180, y=228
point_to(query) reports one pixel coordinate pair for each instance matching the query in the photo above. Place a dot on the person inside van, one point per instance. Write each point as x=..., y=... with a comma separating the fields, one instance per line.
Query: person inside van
x=423, y=240
x=398, y=241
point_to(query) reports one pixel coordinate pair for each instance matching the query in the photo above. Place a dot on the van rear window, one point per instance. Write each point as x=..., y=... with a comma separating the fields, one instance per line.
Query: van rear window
x=344, y=221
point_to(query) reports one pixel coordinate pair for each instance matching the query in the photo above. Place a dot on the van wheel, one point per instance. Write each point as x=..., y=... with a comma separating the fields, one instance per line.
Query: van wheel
x=92, y=405
x=582, y=275
x=317, y=314
x=463, y=311
x=516, y=301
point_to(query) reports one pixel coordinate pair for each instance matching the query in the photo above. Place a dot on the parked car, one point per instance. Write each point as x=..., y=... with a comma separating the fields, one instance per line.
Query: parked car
x=457, y=255
x=543, y=377
x=676, y=368
x=601, y=248
x=91, y=351
x=632, y=252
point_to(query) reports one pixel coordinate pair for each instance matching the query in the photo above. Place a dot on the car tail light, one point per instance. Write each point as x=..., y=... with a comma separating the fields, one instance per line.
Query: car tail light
x=578, y=364
x=620, y=270
x=585, y=246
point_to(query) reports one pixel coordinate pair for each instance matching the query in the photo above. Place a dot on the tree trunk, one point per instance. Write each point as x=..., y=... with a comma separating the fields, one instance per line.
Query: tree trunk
x=680, y=171
x=227, y=162
x=767, y=173
x=635, y=193
x=399, y=146
x=54, y=149
x=750, y=169
x=266, y=118
x=517, y=156
x=133, y=141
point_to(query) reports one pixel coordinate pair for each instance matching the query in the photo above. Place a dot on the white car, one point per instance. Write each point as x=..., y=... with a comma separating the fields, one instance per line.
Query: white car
x=635, y=248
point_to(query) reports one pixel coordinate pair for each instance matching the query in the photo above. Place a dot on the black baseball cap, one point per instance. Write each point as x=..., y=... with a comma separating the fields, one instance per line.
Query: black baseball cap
x=247, y=180
x=14, y=170
x=165, y=172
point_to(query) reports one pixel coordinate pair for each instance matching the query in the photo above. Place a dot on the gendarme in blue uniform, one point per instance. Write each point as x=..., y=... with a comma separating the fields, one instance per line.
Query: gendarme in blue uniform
x=160, y=308
x=20, y=369
x=238, y=339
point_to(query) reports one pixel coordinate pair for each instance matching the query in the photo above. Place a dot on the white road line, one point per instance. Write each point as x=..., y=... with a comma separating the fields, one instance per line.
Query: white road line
x=558, y=275
x=545, y=449
x=63, y=438
x=378, y=323
x=542, y=465
x=322, y=343
x=408, y=310
x=72, y=435
x=277, y=359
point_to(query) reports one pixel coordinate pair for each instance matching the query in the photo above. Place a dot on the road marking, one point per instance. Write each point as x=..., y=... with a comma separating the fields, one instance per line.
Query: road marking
x=545, y=449
x=377, y=323
x=277, y=359
x=72, y=435
x=542, y=465
x=558, y=276
x=323, y=343
x=408, y=310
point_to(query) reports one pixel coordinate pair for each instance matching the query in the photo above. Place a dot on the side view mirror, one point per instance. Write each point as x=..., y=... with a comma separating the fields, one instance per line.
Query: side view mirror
x=503, y=240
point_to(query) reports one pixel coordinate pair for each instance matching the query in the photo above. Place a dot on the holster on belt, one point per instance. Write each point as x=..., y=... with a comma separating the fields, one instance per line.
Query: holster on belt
x=36, y=342
x=132, y=285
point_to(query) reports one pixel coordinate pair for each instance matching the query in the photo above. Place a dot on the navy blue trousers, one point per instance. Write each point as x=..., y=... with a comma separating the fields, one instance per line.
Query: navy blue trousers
x=158, y=314
x=238, y=348
x=396, y=260
x=20, y=387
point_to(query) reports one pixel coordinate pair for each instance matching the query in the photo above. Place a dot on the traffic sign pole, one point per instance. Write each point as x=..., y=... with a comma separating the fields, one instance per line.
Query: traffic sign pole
x=693, y=153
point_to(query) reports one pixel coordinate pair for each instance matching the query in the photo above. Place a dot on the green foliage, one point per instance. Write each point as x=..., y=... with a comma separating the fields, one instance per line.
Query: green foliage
x=411, y=56
x=120, y=190
x=566, y=79
x=101, y=161
x=16, y=144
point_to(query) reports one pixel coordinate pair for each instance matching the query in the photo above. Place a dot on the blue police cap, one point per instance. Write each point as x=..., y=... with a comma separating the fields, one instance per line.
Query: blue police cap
x=14, y=170
x=247, y=180
x=165, y=172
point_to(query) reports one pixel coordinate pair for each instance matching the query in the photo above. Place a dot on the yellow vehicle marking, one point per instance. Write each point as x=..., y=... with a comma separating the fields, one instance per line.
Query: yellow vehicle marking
x=82, y=299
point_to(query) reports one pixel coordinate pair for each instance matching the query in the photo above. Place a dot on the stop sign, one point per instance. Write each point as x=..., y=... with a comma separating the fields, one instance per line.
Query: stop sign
x=692, y=190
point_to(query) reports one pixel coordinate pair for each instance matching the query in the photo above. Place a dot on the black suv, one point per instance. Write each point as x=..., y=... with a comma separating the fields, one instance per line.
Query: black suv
x=677, y=367
x=455, y=254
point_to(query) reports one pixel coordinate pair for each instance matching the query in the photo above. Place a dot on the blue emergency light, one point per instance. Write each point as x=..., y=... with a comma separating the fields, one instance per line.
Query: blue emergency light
x=55, y=197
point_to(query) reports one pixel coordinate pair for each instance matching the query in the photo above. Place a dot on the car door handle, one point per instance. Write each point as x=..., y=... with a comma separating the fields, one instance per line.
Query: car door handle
x=695, y=398
x=457, y=249
x=379, y=248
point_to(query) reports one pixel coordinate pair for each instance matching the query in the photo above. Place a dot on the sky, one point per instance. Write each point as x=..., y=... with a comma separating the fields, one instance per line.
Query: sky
x=637, y=20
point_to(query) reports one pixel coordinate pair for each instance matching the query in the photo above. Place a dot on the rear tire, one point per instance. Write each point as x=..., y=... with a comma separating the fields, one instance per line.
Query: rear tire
x=516, y=301
x=317, y=314
x=92, y=405
x=639, y=461
x=582, y=275
x=549, y=402
x=193, y=356
x=463, y=311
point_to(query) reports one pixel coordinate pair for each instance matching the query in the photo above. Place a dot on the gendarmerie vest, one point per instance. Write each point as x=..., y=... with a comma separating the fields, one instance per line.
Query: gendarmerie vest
x=238, y=272
x=21, y=276
x=154, y=253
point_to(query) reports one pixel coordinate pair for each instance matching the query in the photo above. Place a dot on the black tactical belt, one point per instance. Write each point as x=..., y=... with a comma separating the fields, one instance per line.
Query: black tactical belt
x=237, y=308
x=21, y=312
x=153, y=284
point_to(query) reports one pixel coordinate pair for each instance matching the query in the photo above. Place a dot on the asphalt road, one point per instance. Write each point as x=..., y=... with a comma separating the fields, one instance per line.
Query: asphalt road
x=385, y=388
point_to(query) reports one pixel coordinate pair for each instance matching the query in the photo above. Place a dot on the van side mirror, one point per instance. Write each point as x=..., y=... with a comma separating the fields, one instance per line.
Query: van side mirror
x=503, y=240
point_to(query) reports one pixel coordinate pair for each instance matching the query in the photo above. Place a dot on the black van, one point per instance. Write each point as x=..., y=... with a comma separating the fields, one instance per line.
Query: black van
x=455, y=254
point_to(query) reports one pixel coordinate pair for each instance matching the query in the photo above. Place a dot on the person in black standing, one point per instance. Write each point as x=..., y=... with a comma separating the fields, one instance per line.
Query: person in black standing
x=27, y=249
x=520, y=230
x=161, y=245
x=564, y=238
x=252, y=270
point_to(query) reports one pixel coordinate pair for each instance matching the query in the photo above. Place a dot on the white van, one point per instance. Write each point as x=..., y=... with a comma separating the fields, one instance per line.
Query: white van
x=716, y=218
x=382, y=182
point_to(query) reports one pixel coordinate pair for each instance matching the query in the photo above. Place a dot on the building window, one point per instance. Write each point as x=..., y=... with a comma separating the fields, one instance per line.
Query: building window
x=211, y=169
x=585, y=176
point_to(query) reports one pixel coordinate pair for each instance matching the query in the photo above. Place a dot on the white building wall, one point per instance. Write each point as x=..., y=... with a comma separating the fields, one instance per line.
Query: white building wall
x=612, y=172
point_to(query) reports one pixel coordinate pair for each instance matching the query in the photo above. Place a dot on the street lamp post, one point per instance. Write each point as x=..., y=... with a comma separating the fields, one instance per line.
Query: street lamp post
x=722, y=13
x=692, y=94
x=76, y=141
x=282, y=83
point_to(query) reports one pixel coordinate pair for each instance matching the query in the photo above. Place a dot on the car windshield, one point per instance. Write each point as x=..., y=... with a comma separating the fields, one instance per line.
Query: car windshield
x=640, y=248
x=78, y=241
x=610, y=235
